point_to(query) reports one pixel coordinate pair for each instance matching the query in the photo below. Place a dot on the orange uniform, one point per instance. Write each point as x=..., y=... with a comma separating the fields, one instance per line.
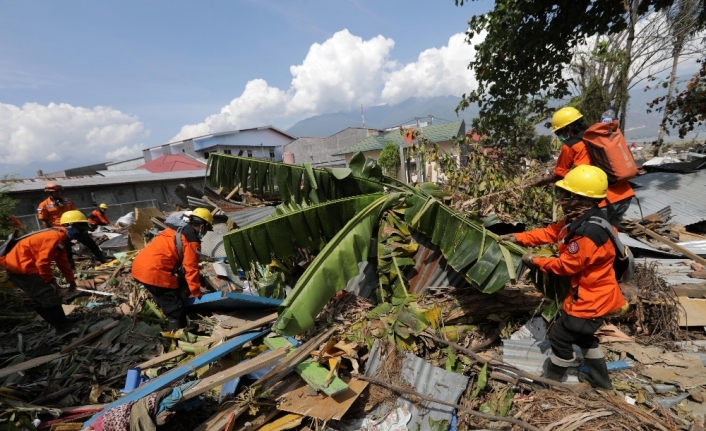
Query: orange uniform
x=51, y=211
x=574, y=153
x=156, y=264
x=98, y=218
x=588, y=259
x=34, y=255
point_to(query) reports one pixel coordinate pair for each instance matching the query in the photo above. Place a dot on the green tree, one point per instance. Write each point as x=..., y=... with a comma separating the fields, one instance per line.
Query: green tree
x=389, y=159
x=7, y=206
x=529, y=44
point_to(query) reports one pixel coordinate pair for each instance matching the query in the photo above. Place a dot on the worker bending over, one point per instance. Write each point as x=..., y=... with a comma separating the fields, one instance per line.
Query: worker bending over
x=28, y=266
x=586, y=255
x=50, y=213
x=569, y=127
x=170, y=264
x=98, y=217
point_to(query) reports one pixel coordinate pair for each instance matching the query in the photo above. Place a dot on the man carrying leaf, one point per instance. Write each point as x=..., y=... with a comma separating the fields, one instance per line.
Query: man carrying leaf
x=586, y=255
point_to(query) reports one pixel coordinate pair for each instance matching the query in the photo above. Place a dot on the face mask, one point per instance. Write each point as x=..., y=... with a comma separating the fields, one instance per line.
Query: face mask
x=562, y=139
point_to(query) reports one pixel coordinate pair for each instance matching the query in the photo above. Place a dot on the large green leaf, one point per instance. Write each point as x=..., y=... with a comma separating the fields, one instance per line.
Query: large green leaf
x=294, y=227
x=334, y=266
x=300, y=184
x=468, y=247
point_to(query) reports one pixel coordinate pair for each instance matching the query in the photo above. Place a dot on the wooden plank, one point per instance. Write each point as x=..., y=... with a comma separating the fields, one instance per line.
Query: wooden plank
x=30, y=364
x=262, y=361
x=180, y=372
x=48, y=358
x=296, y=399
x=693, y=313
x=216, y=337
x=232, y=192
x=674, y=246
x=690, y=290
x=89, y=337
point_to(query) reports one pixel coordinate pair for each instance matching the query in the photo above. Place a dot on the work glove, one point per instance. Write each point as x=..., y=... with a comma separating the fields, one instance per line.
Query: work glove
x=510, y=237
x=528, y=258
x=72, y=286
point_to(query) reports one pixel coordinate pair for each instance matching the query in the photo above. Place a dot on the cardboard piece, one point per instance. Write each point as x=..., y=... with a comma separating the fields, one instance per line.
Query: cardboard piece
x=296, y=399
x=142, y=223
x=695, y=310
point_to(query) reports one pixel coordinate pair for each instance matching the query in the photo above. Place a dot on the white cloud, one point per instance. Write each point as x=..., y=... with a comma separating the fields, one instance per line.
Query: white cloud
x=437, y=72
x=340, y=74
x=124, y=153
x=56, y=132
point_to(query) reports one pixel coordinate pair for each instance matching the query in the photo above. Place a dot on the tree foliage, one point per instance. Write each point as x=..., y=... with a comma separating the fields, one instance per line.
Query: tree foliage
x=389, y=159
x=688, y=109
x=528, y=46
x=7, y=206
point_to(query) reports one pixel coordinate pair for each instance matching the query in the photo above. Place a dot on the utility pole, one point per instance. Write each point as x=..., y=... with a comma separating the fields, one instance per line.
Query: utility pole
x=362, y=114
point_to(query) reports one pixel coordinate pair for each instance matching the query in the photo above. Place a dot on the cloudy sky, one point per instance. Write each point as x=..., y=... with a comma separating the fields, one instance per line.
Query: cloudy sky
x=85, y=81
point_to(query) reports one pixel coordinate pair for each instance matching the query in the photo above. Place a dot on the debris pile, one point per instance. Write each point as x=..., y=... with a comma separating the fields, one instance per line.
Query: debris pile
x=357, y=303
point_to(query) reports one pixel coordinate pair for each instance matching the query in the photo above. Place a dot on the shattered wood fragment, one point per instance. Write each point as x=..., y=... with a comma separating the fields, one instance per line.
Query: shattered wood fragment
x=296, y=400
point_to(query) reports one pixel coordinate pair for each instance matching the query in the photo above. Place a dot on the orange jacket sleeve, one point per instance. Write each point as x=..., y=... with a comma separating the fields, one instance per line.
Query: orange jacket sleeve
x=68, y=205
x=43, y=257
x=62, y=261
x=568, y=264
x=570, y=157
x=191, y=266
x=547, y=235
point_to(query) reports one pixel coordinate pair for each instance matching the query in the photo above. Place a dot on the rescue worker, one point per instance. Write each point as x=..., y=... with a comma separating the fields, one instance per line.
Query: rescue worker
x=158, y=265
x=569, y=127
x=98, y=217
x=50, y=210
x=586, y=255
x=77, y=228
x=28, y=266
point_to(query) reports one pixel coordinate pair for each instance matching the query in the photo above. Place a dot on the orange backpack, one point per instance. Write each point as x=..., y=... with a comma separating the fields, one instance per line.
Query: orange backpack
x=608, y=150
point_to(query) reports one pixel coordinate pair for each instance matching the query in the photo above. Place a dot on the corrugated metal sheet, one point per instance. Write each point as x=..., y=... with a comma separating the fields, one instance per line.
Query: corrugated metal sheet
x=250, y=216
x=431, y=269
x=654, y=179
x=530, y=355
x=698, y=247
x=685, y=194
x=633, y=243
x=212, y=242
x=427, y=380
x=674, y=271
x=96, y=180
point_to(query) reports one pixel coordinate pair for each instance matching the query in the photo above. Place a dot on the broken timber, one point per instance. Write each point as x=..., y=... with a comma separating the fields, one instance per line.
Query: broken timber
x=48, y=358
x=179, y=372
x=674, y=246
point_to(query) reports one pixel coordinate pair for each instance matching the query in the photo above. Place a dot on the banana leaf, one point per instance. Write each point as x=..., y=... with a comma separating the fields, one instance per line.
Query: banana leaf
x=296, y=227
x=333, y=267
x=300, y=184
x=468, y=247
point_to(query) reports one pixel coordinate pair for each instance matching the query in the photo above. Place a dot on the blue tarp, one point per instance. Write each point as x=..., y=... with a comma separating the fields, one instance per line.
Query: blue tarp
x=219, y=301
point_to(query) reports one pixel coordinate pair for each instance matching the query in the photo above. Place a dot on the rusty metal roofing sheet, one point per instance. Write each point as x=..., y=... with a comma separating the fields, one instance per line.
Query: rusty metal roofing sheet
x=430, y=268
x=426, y=379
x=633, y=243
x=685, y=194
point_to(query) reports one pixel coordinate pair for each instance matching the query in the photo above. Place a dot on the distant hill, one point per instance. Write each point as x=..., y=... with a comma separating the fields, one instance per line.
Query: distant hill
x=383, y=116
x=641, y=126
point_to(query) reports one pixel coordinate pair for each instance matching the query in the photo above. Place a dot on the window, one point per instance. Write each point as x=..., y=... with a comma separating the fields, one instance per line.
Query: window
x=240, y=153
x=205, y=154
x=226, y=151
x=272, y=154
x=249, y=153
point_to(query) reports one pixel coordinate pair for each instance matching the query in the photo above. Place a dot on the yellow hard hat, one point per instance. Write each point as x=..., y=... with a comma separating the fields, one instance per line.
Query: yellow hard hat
x=73, y=216
x=585, y=180
x=564, y=117
x=103, y=206
x=203, y=214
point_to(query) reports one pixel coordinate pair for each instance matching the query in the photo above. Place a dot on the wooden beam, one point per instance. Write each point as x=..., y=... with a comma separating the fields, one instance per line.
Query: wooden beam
x=674, y=246
x=262, y=361
x=232, y=192
x=48, y=358
x=180, y=372
x=212, y=339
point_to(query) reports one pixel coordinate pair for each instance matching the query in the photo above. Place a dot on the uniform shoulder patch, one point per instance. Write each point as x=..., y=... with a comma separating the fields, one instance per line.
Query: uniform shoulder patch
x=573, y=247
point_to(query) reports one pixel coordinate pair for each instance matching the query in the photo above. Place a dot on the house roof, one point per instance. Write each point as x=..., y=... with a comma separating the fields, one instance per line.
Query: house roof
x=173, y=163
x=230, y=132
x=682, y=192
x=435, y=134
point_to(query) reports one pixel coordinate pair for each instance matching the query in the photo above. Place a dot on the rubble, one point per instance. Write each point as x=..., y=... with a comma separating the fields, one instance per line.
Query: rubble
x=435, y=326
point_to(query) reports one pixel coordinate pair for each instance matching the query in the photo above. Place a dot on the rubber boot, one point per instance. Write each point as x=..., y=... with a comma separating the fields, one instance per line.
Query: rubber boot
x=55, y=317
x=598, y=377
x=555, y=372
x=97, y=253
x=176, y=324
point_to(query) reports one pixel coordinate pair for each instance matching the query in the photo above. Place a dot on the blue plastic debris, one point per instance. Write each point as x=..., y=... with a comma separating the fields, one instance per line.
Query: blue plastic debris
x=612, y=366
x=454, y=422
x=132, y=380
x=219, y=301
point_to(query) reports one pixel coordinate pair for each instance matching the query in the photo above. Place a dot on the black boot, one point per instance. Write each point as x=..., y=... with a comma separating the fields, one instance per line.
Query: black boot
x=97, y=253
x=598, y=377
x=554, y=371
x=55, y=317
x=175, y=324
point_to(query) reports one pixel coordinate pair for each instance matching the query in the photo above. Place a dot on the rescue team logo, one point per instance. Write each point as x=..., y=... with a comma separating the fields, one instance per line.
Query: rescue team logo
x=573, y=247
